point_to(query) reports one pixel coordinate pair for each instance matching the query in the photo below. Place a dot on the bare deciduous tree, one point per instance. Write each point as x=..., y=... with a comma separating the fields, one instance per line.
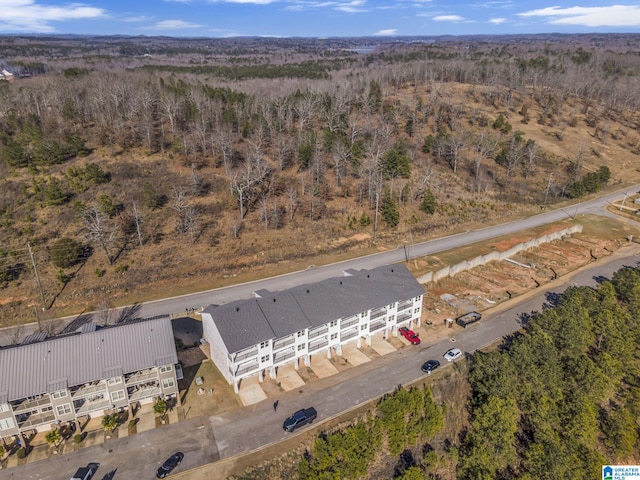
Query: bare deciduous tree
x=100, y=230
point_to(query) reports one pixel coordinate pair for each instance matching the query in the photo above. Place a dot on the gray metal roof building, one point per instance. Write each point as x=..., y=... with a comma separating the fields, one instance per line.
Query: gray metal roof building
x=66, y=361
x=245, y=323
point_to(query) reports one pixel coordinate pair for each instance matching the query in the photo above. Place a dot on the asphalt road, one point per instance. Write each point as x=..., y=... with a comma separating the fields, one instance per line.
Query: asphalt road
x=314, y=274
x=204, y=440
x=254, y=427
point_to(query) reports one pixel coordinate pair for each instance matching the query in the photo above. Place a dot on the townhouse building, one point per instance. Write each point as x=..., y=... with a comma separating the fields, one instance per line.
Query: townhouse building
x=45, y=382
x=256, y=336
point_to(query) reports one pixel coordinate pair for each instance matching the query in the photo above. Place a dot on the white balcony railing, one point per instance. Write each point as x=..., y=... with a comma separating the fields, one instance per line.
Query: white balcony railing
x=89, y=389
x=142, y=377
x=34, y=404
x=374, y=327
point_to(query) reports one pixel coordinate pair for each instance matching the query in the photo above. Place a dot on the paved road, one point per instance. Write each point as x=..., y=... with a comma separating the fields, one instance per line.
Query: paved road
x=133, y=458
x=242, y=431
x=315, y=274
x=204, y=440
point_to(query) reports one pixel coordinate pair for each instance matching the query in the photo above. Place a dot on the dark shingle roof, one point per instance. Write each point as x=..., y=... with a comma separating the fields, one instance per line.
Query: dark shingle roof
x=245, y=323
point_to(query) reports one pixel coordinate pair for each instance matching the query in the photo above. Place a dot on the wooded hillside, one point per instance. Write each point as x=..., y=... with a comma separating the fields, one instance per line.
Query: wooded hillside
x=139, y=168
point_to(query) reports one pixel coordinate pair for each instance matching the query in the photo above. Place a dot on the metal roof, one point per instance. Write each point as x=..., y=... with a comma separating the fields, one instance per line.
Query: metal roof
x=245, y=323
x=75, y=359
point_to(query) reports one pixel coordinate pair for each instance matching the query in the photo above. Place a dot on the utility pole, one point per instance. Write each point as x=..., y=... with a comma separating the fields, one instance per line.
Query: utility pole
x=35, y=309
x=546, y=193
x=375, y=217
x=35, y=269
x=624, y=200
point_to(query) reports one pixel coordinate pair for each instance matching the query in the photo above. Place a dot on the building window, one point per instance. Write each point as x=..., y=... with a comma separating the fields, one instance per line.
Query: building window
x=166, y=368
x=417, y=299
x=363, y=314
x=264, y=344
x=301, y=346
x=4, y=407
x=264, y=359
x=363, y=327
x=7, y=423
x=117, y=396
x=64, y=409
x=114, y=380
x=300, y=333
x=168, y=383
x=334, y=323
x=334, y=336
x=417, y=310
x=59, y=394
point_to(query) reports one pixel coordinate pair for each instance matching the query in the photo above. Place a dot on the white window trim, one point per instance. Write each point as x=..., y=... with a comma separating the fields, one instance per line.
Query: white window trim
x=119, y=393
x=7, y=424
x=64, y=409
x=168, y=383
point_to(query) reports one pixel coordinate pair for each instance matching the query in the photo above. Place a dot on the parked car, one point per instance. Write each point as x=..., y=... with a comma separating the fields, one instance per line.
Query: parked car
x=169, y=464
x=409, y=335
x=86, y=473
x=468, y=318
x=452, y=354
x=430, y=365
x=300, y=418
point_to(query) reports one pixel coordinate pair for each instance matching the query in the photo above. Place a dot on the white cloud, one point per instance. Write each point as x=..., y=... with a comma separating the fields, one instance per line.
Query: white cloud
x=497, y=21
x=448, y=18
x=254, y=2
x=387, y=32
x=354, y=6
x=304, y=5
x=614, y=15
x=173, y=25
x=493, y=4
x=140, y=18
x=29, y=16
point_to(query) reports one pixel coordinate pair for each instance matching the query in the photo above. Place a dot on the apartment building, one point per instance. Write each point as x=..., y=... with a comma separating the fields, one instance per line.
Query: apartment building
x=45, y=382
x=255, y=336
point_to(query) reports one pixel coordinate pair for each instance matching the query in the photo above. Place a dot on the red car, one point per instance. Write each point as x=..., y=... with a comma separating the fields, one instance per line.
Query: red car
x=409, y=335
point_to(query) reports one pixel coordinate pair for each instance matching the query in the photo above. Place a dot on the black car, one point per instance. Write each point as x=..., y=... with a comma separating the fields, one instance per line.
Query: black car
x=430, y=365
x=300, y=418
x=170, y=463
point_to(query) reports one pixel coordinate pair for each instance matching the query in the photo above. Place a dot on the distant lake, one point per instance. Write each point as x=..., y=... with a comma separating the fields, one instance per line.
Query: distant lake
x=362, y=49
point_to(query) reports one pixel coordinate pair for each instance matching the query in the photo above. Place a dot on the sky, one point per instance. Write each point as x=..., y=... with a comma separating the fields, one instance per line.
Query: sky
x=316, y=18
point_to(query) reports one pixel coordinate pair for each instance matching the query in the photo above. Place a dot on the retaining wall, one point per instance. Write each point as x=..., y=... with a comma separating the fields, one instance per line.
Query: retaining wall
x=451, y=270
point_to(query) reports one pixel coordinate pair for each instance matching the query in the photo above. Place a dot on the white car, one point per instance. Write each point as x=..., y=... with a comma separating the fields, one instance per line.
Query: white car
x=452, y=354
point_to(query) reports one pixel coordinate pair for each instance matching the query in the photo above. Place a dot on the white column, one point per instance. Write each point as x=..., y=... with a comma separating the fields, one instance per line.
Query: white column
x=236, y=386
x=272, y=373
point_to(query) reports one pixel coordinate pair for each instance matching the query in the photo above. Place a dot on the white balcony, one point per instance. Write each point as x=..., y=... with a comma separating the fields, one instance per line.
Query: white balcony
x=142, y=377
x=89, y=389
x=146, y=391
